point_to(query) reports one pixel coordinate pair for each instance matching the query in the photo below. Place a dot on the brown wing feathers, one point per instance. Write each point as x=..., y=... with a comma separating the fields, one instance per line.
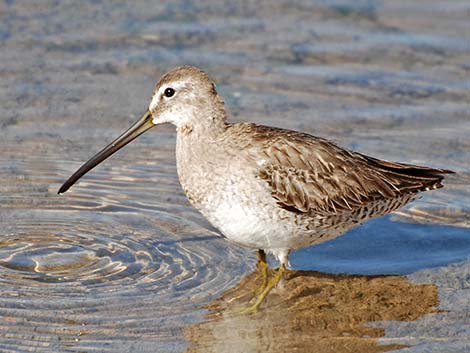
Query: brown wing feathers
x=309, y=174
x=408, y=176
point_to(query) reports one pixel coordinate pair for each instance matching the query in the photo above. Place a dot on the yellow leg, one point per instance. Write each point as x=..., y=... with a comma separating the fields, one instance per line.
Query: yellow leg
x=263, y=268
x=270, y=285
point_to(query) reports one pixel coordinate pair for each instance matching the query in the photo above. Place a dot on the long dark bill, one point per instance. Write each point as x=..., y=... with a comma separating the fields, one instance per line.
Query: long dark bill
x=142, y=125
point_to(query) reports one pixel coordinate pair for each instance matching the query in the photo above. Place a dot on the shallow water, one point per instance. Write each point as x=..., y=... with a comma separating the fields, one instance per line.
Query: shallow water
x=122, y=262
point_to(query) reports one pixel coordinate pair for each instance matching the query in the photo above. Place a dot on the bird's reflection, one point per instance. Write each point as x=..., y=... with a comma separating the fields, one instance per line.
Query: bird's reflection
x=312, y=312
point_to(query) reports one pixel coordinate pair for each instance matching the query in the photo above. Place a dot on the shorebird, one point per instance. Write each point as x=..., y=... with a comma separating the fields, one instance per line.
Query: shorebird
x=263, y=187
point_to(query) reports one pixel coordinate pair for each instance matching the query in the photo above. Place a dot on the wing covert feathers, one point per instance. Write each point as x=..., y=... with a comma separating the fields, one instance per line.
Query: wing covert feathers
x=308, y=174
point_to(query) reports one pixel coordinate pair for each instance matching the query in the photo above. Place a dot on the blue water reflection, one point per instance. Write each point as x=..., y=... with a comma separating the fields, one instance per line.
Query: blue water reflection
x=384, y=246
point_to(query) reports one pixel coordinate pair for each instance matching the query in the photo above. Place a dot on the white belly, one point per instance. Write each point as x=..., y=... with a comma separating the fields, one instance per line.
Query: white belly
x=248, y=226
x=243, y=210
x=236, y=202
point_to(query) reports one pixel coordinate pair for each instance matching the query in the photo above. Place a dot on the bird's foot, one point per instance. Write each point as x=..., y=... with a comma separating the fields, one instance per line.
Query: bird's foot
x=258, y=299
x=263, y=268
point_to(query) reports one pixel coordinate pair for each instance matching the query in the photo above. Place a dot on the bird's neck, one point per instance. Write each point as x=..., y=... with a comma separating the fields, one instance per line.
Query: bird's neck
x=203, y=129
x=197, y=148
x=203, y=125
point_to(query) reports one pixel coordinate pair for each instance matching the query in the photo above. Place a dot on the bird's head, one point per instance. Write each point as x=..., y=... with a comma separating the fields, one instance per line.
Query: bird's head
x=185, y=97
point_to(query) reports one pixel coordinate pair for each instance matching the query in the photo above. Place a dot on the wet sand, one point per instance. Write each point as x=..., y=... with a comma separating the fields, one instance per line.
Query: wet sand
x=312, y=312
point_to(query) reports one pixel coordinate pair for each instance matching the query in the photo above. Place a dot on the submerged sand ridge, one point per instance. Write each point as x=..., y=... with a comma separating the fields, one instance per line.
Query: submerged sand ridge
x=312, y=312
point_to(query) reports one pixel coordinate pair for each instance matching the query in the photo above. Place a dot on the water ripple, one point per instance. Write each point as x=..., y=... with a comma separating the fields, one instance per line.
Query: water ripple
x=81, y=280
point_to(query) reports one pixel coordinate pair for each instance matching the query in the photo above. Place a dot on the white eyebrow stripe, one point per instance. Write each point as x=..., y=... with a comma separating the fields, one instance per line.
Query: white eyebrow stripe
x=154, y=101
x=156, y=97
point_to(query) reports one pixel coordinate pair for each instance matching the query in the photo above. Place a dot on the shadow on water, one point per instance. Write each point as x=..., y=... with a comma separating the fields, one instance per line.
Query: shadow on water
x=312, y=311
x=335, y=312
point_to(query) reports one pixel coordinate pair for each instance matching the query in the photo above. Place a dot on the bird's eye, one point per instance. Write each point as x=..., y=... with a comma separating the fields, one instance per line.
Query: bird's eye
x=169, y=92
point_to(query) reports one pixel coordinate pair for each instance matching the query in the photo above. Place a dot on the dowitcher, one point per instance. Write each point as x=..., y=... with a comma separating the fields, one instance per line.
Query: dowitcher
x=267, y=188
